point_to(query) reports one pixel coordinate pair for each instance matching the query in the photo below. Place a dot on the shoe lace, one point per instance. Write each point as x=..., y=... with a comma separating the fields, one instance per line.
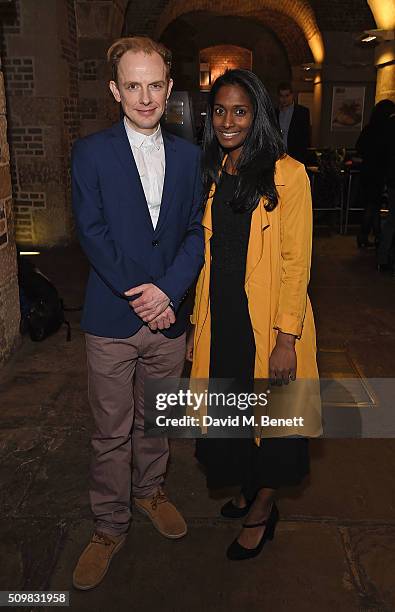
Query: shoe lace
x=159, y=498
x=101, y=538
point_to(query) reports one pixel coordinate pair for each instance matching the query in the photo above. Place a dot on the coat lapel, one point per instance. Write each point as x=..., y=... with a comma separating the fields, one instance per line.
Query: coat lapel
x=124, y=154
x=171, y=172
x=259, y=222
x=207, y=218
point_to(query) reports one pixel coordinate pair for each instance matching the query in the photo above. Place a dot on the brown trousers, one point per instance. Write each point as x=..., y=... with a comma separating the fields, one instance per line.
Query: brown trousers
x=123, y=459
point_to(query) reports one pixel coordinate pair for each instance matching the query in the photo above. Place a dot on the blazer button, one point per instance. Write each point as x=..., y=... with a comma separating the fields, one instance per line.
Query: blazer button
x=155, y=243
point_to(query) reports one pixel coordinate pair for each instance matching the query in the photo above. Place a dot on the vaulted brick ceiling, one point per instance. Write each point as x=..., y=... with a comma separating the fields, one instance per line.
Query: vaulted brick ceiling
x=205, y=29
x=142, y=16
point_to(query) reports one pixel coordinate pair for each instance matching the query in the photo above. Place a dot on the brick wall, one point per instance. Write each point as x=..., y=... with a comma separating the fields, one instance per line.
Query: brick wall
x=9, y=296
x=41, y=74
x=99, y=24
x=141, y=17
x=343, y=15
x=19, y=73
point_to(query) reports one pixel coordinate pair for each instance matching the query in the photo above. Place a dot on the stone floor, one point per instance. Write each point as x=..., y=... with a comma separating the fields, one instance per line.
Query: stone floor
x=335, y=545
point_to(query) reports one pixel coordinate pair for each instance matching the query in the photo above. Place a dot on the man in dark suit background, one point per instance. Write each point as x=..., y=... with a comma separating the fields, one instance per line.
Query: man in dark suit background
x=294, y=121
x=138, y=207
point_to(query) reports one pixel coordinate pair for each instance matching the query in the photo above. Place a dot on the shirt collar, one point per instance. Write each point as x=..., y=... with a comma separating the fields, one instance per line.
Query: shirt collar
x=288, y=108
x=139, y=140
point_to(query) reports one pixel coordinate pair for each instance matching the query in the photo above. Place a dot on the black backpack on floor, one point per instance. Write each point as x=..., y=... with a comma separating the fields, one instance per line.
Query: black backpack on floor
x=42, y=310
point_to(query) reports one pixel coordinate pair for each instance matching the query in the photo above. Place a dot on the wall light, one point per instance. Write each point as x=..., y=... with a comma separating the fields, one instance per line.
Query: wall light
x=314, y=66
x=29, y=252
x=367, y=39
x=310, y=71
x=376, y=35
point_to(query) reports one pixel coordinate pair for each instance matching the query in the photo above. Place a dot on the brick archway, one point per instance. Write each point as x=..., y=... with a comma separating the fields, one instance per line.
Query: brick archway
x=287, y=18
x=223, y=57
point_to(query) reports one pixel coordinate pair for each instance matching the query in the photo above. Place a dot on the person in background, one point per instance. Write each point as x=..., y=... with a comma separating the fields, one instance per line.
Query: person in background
x=137, y=201
x=372, y=147
x=294, y=121
x=252, y=318
x=386, y=249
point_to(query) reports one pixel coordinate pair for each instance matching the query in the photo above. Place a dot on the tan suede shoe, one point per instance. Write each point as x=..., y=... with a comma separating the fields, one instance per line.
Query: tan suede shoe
x=163, y=514
x=95, y=560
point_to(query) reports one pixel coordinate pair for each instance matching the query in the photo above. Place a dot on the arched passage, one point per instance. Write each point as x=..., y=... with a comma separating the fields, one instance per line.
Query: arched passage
x=188, y=35
x=274, y=13
x=189, y=26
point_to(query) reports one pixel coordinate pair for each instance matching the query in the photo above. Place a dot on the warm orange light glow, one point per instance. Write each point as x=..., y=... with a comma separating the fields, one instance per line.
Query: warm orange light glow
x=220, y=58
x=220, y=68
x=385, y=54
x=383, y=13
x=316, y=45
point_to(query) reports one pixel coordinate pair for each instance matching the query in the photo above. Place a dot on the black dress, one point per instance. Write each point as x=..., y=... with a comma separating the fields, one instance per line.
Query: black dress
x=239, y=461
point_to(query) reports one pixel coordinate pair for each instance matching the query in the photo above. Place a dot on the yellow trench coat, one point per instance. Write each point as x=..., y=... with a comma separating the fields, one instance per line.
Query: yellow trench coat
x=276, y=280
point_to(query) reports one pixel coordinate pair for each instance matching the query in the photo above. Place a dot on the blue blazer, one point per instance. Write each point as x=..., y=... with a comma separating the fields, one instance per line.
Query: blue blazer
x=117, y=235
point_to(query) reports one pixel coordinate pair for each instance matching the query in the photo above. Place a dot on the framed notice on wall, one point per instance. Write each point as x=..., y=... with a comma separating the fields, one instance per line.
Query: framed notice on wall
x=3, y=226
x=347, y=108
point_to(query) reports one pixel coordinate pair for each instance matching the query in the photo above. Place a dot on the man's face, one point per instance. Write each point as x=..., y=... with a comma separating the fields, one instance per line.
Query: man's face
x=285, y=98
x=142, y=88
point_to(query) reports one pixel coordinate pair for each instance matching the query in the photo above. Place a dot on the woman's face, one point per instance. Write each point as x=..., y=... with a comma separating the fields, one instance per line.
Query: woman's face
x=232, y=116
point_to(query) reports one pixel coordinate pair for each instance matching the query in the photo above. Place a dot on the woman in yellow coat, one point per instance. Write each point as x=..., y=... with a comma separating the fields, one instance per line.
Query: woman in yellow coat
x=252, y=317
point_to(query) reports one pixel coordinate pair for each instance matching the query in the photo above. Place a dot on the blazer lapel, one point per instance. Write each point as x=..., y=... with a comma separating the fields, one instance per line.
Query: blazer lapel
x=124, y=154
x=171, y=172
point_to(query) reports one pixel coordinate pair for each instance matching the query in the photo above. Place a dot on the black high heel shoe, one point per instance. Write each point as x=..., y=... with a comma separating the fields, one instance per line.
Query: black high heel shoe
x=237, y=552
x=229, y=510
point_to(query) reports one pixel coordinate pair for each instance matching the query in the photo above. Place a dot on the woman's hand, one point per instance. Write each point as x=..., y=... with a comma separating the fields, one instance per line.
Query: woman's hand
x=282, y=362
x=189, y=346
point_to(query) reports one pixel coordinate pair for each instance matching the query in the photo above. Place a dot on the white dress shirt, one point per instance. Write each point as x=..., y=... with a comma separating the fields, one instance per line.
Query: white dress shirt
x=149, y=155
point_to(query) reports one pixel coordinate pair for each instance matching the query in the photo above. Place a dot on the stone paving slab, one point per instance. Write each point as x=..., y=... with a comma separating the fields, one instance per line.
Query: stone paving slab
x=303, y=569
x=52, y=355
x=60, y=487
x=376, y=357
x=373, y=550
x=22, y=452
x=348, y=481
x=28, y=552
x=27, y=391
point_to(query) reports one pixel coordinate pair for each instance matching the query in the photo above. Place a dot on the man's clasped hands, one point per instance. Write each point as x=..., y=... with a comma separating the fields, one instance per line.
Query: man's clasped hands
x=152, y=306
